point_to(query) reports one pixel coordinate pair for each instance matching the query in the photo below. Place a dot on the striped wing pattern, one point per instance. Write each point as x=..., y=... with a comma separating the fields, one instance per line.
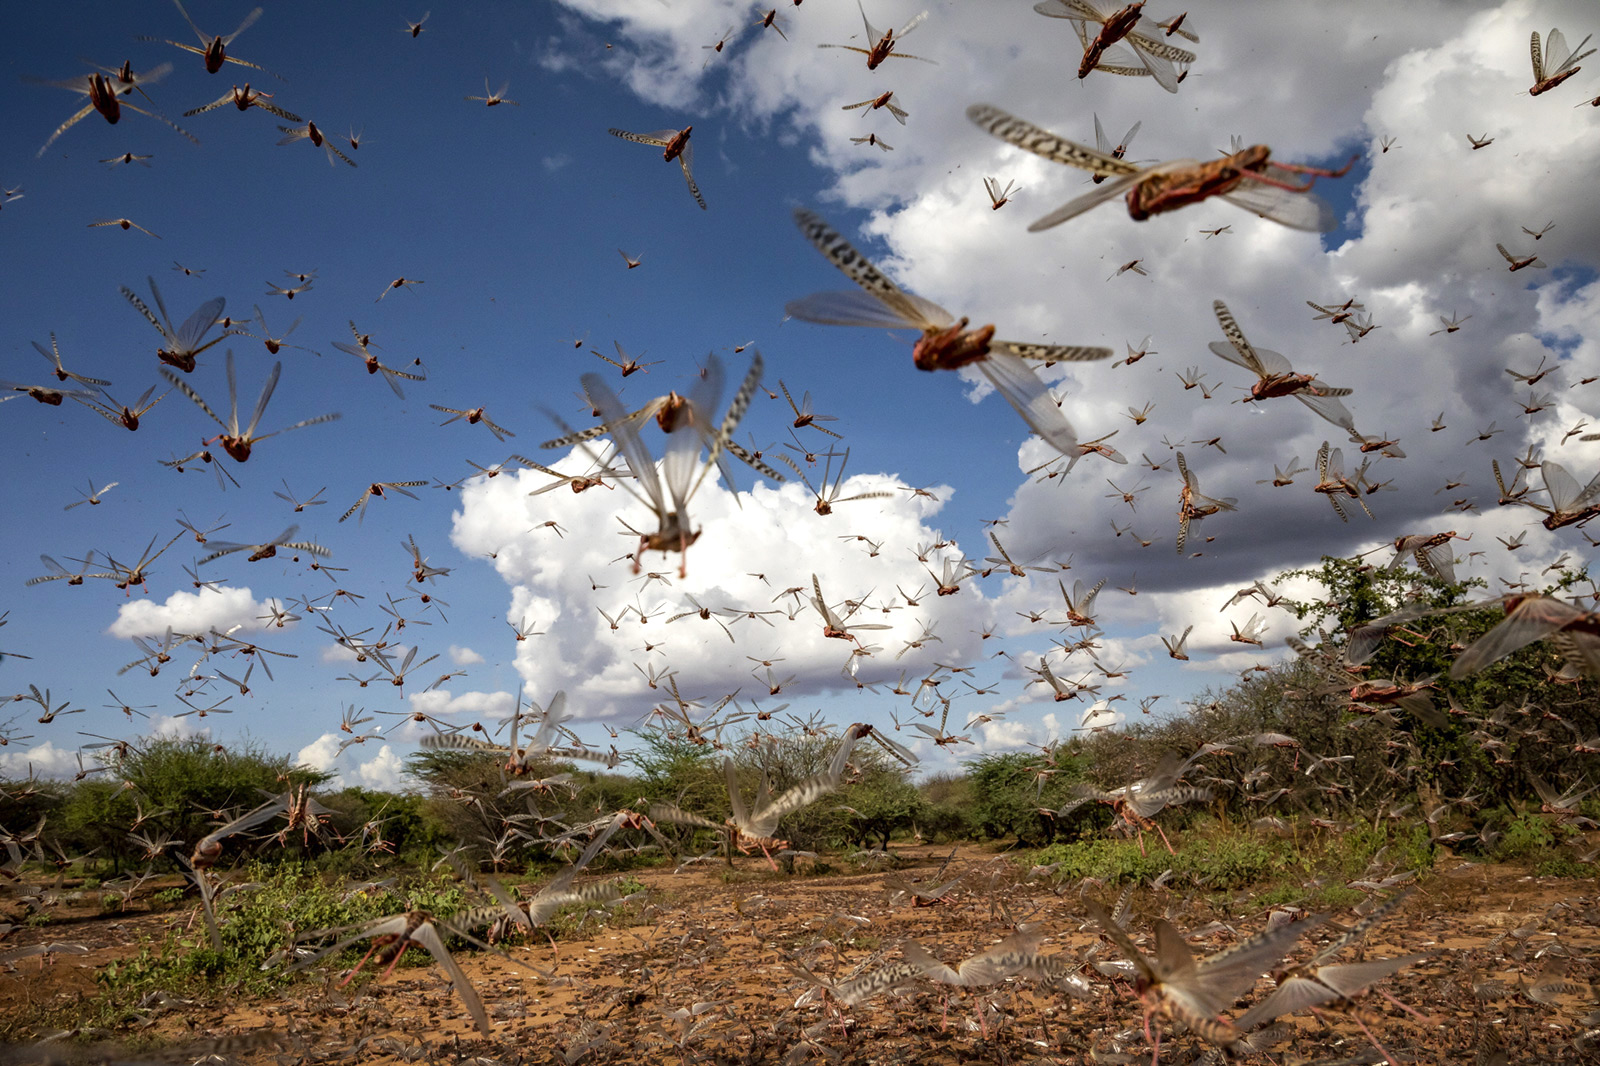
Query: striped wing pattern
x=1041, y=142
x=843, y=255
x=1052, y=353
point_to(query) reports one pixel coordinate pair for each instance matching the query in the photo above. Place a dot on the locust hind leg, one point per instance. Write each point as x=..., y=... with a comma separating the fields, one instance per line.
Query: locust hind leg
x=376, y=944
x=1164, y=839
x=1319, y=172
x=396, y=960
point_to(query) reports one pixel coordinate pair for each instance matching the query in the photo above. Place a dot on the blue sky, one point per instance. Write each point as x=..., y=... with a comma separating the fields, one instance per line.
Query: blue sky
x=512, y=218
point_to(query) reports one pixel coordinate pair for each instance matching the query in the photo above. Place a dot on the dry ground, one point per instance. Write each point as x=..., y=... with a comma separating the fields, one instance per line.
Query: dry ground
x=722, y=945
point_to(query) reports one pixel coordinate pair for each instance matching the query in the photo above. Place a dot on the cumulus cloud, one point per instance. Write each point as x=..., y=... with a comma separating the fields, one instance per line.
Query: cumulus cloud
x=487, y=707
x=321, y=753
x=752, y=568
x=176, y=726
x=41, y=760
x=382, y=771
x=463, y=656
x=1014, y=733
x=193, y=612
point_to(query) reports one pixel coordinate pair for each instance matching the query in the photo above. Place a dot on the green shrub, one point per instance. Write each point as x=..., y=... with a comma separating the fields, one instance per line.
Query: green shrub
x=881, y=804
x=1228, y=860
x=1562, y=864
x=1234, y=860
x=941, y=823
x=380, y=825
x=1111, y=861
x=183, y=785
x=1332, y=896
x=1527, y=837
x=1008, y=789
x=287, y=902
x=1353, y=849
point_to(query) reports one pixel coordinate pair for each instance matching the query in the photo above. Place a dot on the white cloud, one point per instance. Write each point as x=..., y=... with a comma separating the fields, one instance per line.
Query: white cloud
x=464, y=656
x=192, y=612
x=487, y=707
x=442, y=702
x=1009, y=734
x=382, y=771
x=744, y=559
x=176, y=726
x=321, y=753
x=42, y=760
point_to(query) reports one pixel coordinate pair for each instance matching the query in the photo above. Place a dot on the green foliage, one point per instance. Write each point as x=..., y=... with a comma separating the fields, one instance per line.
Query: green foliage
x=1562, y=864
x=1311, y=872
x=1351, y=850
x=1451, y=755
x=1008, y=789
x=1235, y=860
x=1220, y=861
x=1330, y=896
x=784, y=760
x=881, y=804
x=945, y=812
x=488, y=820
x=1110, y=861
x=1413, y=847
x=677, y=770
x=289, y=900
x=93, y=816
x=23, y=803
x=1358, y=593
x=381, y=824
x=184, y=783
x=1528, y=837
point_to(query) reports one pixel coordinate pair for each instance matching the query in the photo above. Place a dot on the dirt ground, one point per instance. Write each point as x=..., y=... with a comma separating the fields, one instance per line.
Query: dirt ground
x=708, y=970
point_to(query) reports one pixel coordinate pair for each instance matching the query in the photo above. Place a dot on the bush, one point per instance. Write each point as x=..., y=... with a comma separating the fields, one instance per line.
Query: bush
x=489, y=817
x=1233, y=860
x=191, y=782
x=945, y=811
x=1448, y=751
x=1527, y=837
x=881, y=804
x=940, y=823
x=1562, y=864
x=676, y=770
x=779, y=761
x=1008, y=791
x=288, y=901
x=1223, y=861
x=383, y=828
x=1110, y=861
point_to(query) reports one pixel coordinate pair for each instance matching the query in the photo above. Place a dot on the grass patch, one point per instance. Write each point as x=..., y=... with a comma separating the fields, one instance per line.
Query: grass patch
x=1222, y=859
x=256, y=923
